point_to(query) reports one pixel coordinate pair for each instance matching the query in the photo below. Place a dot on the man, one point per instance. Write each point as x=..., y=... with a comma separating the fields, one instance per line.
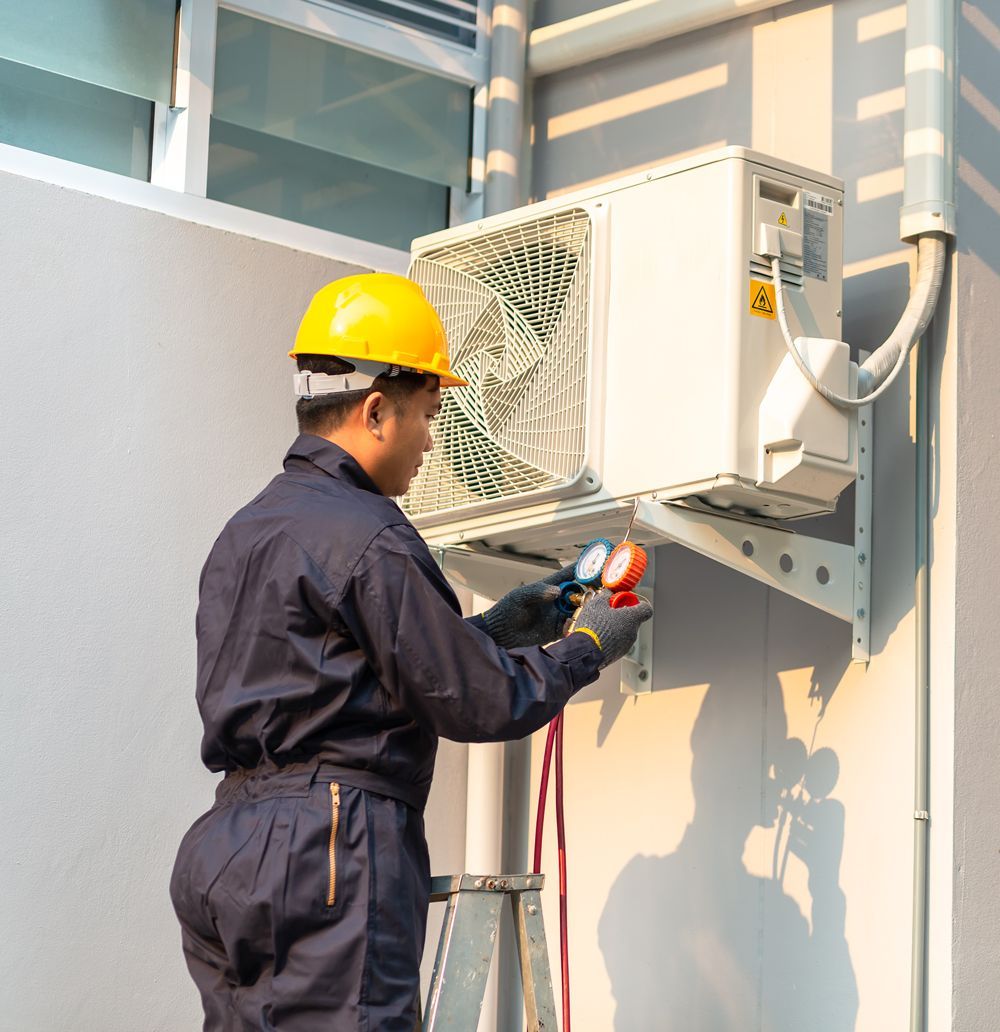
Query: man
x=331, y=655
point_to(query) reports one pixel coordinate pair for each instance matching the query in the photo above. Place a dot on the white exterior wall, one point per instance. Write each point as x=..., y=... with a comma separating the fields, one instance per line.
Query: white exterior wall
x=146, y=397
x=691, y=907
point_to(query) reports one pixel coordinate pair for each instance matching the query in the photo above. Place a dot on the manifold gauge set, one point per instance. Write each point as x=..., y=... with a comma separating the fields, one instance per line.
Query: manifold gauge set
x=602, y=565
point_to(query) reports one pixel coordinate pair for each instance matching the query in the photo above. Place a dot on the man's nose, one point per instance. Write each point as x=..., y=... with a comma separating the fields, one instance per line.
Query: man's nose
x=430, y=443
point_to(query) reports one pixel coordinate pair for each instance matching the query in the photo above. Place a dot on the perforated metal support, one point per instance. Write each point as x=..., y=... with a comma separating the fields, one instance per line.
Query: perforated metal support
x=827, y=575
x=860, y=647
x=830, y=576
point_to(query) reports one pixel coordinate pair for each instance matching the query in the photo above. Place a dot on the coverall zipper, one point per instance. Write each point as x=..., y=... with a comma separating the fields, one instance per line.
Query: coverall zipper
x=331, y=895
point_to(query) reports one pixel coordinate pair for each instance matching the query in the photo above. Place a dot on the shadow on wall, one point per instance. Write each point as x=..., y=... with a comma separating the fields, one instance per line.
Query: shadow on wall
x=742, y=925
x=640, y=109
x=869, y=39
x=978, y=170
x=711, y=946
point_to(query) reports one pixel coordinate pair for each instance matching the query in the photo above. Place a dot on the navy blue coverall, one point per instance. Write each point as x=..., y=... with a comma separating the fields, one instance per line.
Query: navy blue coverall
x=331, y=655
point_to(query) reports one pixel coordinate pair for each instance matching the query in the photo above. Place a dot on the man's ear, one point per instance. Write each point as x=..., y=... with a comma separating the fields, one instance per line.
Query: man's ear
x=373, y=414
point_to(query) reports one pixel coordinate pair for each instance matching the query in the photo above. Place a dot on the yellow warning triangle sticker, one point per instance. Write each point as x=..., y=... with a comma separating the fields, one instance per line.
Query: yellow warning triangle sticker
x=782, y=221
x=761, y=303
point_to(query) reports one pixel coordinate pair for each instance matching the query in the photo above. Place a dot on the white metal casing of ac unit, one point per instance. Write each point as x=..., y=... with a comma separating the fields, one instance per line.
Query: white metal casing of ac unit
x=667, y=377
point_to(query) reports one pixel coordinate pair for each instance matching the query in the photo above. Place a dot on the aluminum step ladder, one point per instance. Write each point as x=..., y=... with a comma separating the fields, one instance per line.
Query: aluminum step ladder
x=465, y=950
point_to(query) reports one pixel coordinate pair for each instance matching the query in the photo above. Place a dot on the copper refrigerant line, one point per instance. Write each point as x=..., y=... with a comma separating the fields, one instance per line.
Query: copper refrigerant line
x=618, y=570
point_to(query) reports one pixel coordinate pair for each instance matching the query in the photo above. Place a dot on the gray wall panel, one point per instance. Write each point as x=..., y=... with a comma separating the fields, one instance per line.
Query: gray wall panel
x=146, y=396
x=977, y=644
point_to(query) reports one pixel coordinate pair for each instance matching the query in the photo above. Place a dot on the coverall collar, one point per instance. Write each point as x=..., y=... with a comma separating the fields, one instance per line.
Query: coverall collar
x=331, y=459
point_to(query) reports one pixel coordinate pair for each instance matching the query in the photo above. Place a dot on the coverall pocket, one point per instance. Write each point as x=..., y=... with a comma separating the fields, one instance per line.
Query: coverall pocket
x=331, y=893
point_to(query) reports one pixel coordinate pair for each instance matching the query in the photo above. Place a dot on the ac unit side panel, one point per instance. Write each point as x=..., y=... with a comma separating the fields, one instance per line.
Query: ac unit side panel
x=690, y=362
x=672, y=349
x=809, y=216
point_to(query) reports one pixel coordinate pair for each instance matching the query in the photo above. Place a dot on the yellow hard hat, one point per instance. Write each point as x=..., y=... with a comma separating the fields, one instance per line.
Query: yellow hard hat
x=376, y=317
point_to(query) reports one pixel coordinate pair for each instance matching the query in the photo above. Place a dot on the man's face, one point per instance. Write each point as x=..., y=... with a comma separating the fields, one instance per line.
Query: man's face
x=408, y=439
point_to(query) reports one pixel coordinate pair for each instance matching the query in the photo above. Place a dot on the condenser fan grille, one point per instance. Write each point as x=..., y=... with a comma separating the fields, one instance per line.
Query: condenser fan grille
x=515, y=308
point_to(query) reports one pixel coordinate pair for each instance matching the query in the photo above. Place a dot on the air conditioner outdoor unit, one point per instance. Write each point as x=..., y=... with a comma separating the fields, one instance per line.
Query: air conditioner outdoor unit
x=621, y=343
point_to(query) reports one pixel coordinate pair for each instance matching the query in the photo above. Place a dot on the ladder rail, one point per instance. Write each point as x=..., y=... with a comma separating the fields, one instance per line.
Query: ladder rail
x=466, y=947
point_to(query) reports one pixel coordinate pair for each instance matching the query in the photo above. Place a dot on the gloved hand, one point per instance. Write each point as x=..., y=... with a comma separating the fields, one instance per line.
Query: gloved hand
x=528, y=615
x=614, y=630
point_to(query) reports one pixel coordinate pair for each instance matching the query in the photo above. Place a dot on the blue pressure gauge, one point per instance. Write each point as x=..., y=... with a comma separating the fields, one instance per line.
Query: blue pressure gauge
x=592, y=560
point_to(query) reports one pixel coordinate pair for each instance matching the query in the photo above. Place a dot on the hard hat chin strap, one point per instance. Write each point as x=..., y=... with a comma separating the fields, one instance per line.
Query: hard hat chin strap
x=312, y=385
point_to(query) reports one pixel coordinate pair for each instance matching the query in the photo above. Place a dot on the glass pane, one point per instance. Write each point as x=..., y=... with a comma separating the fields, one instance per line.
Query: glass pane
x=268, y=174
x=74, y=120
x=454, y=20
x=308, y=91
x=128, y=47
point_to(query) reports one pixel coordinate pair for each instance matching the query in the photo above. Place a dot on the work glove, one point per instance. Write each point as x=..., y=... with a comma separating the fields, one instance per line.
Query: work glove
x=614, y=630
x=529, y=615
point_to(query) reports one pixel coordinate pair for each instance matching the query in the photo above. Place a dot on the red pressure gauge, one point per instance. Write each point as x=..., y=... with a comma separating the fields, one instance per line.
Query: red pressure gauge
x=625, y=567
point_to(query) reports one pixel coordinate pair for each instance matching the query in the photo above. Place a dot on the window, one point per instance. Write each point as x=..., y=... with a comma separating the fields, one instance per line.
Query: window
x=325, y=134
x=75, y=120
x=78, y=78
x=366, y=118
x=305, y=184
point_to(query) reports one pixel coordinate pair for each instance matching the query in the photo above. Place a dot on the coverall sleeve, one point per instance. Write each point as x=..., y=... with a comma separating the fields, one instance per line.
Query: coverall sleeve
x=444, y=670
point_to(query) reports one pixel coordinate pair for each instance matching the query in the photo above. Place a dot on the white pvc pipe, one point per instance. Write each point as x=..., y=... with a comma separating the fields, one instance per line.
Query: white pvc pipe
x=928, y=120
x=505, y=106
x=483, y=824
x=627, y=26
x=483, y=831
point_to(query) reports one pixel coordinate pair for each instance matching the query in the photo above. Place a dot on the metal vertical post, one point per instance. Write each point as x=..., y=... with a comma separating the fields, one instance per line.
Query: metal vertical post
x=508, y=55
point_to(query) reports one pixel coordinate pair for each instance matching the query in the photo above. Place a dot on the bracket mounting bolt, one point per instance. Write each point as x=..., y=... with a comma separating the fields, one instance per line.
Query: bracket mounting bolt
x=643, y=675
x=862, y=558
x=861, y=614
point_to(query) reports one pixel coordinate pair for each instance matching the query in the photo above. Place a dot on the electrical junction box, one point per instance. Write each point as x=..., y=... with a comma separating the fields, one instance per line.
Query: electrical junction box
x=623, y=342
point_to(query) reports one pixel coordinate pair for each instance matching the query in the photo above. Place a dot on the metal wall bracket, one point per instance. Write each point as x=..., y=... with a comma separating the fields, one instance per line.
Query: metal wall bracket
x=835, y=578
x=861, y=620
x=637, y=666
x=821, y=573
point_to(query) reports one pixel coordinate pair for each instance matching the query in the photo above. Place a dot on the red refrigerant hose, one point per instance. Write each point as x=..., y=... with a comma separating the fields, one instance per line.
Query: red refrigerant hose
x=561, y=842
x=543, y=791
x=555, y=739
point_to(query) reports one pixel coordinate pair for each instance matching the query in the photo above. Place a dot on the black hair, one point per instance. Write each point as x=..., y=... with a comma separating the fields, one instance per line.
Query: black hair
x=328, y=412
